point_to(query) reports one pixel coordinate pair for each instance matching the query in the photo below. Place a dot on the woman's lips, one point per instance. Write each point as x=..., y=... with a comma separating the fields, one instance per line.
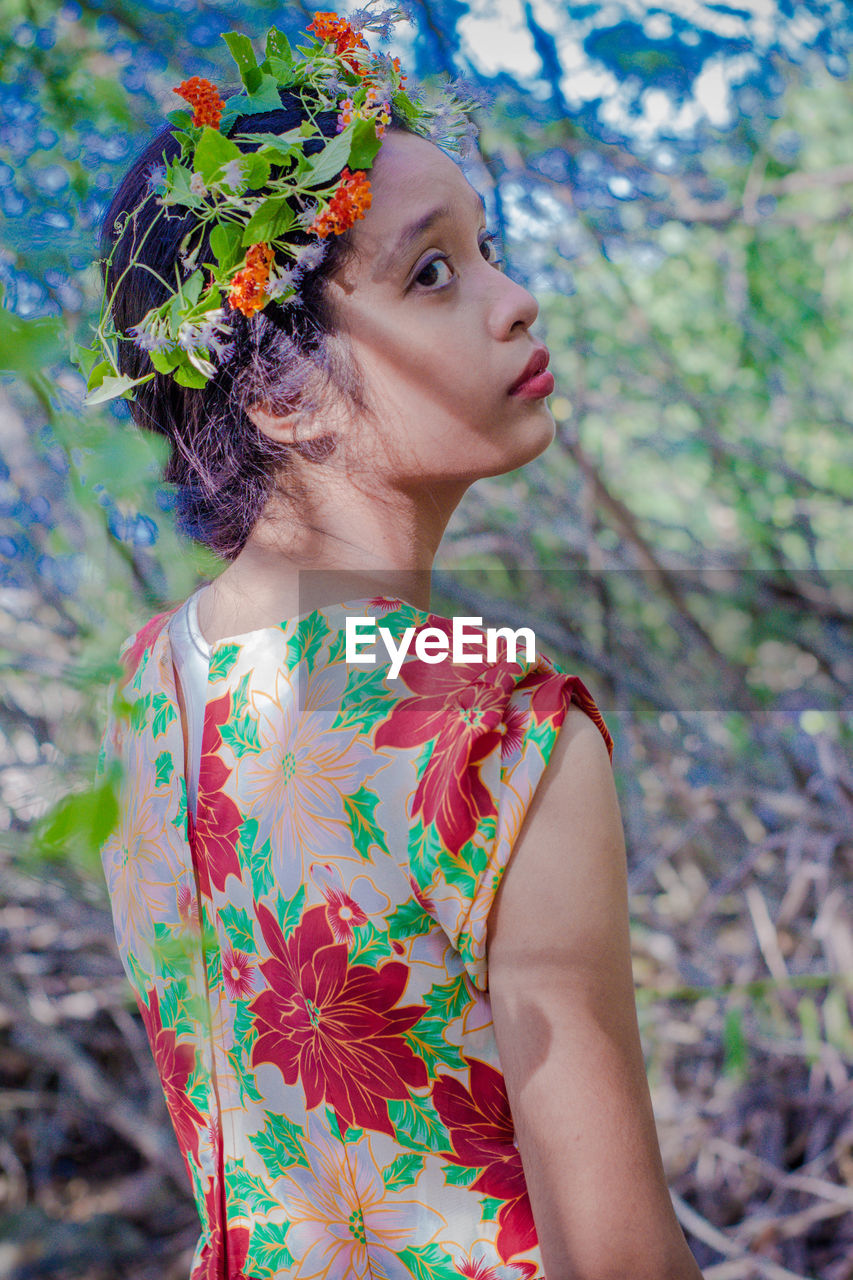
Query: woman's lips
x=535, y=380
x=541, y=384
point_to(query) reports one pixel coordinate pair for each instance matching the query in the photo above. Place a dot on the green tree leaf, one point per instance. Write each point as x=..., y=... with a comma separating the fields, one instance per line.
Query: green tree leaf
x=361, y=808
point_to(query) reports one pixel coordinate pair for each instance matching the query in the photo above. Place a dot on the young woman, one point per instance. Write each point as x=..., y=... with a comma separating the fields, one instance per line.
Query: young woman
x=377, y=927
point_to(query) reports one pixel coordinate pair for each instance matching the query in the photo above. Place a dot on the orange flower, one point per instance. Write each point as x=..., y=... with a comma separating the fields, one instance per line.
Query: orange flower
x=248, y=285
x=329, y=27
x=204, y=98
x=349, y=203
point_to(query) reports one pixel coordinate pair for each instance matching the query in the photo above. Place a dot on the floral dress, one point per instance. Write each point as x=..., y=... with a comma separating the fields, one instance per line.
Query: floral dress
x=309, y=954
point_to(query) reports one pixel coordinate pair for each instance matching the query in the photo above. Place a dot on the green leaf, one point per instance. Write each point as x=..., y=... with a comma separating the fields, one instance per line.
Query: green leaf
x=257, y=171
x=113, y=387
x=165, y=361
x=249, y=1190
x=427, y=1040
x=29, y=345
x=258, y=857
x=192, y=288
x=307, y=640
x=164, y=714
x=366, y=832
x=369, y=945
x=186, y=376
x=460, y=1175
x=268, y=1253
x=280, y=1144
x=403, y=1172
x=409, y=921
x=244, y=55
x=491, y=1208
x=429, y=1262
x=271, y=220
x=238, y=926
x=180, y=118
x=222, y=661
x=448, y=1000
x=81, y=821
x=225, y=243
x=165, y=766
x=289, y=911
x=213, y=151
x=277, y=45
x=417, y=1125
x=365, y=144
x=329, y=162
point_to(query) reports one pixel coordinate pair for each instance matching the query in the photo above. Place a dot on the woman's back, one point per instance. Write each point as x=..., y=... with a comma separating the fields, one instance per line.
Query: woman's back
x=309, y=954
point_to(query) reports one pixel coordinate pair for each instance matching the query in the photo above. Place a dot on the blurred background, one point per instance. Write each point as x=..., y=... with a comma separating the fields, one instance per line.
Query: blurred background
x=674, y=183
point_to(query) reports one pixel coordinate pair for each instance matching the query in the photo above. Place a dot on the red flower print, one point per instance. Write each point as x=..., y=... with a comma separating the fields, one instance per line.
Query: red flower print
x=175, y=1064
x=143, y=640
x=343, y=912
x=554, y=691
x=214, y=834
x=335, y=1026
x=482, y=1133
x=461, y=705
x=344, y=915
x=514, y=731
x=238, y=973
x=213, y=1263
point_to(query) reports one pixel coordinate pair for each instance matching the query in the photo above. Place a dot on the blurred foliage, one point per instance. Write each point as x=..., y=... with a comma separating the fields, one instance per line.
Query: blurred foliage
x=685, y=544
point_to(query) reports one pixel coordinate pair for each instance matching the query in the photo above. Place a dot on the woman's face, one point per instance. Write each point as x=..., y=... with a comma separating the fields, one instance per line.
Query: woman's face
x=439, y=331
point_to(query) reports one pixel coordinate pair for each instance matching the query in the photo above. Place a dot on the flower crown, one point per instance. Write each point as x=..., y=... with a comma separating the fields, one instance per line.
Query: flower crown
x=248, y=213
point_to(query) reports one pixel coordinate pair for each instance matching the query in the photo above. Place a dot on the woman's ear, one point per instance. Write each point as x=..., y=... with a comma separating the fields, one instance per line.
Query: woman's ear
x=279, y=427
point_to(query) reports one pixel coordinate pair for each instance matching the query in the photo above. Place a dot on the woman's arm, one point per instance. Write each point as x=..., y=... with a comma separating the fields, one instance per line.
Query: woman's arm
x=565, y=1020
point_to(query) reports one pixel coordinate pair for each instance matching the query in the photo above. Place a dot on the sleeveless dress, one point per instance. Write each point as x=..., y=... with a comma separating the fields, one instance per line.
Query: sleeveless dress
x=306, y=940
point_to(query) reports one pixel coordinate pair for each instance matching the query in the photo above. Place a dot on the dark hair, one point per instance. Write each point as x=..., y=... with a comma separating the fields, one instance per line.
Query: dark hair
x=224, y=467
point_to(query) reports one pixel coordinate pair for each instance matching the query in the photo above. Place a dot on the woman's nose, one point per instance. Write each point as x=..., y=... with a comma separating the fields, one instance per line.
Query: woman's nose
x=513, y=306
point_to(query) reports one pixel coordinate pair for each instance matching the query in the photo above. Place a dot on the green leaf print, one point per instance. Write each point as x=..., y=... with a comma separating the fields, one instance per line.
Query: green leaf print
x=307, y=641
x=279, y=1144
x=403, y=1172
x=173, y=951
x=137, y=716
x=238, y=926
x=465, y=867
x=447, y=1000
x=361, y=809
x=181, y=1009
x=245, y=1076
x=366, y=701
x=222, y=661
x=460, y=1175
x=491, y=1208
x=164, y=714
x=257, y=857
x=165, y=767
x=369, y=945
x=543, y=735
x=268, y=1252
x=429, y=1262
x=240, y=732
x=348, y=1135
x=417, y=1125
x=423, y=851
x=244, y=1025
x=180, y=819
x=426, y=1038
x=249, y=1190
x=409, y=920
x=289, y=911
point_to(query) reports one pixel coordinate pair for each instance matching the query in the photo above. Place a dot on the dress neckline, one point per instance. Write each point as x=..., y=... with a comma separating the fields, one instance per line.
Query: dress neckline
x=245, y=637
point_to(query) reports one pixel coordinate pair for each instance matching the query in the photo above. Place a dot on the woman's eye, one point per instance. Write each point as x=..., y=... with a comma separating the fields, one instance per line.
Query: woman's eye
x=430, y=267
x=495, y=254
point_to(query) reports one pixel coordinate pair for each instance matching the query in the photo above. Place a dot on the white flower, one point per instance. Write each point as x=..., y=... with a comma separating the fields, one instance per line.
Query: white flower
x=203, y=366
x=233, y=175
x=197, y=185
x=148, y=339
x=309, y=256
x=282, y=280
